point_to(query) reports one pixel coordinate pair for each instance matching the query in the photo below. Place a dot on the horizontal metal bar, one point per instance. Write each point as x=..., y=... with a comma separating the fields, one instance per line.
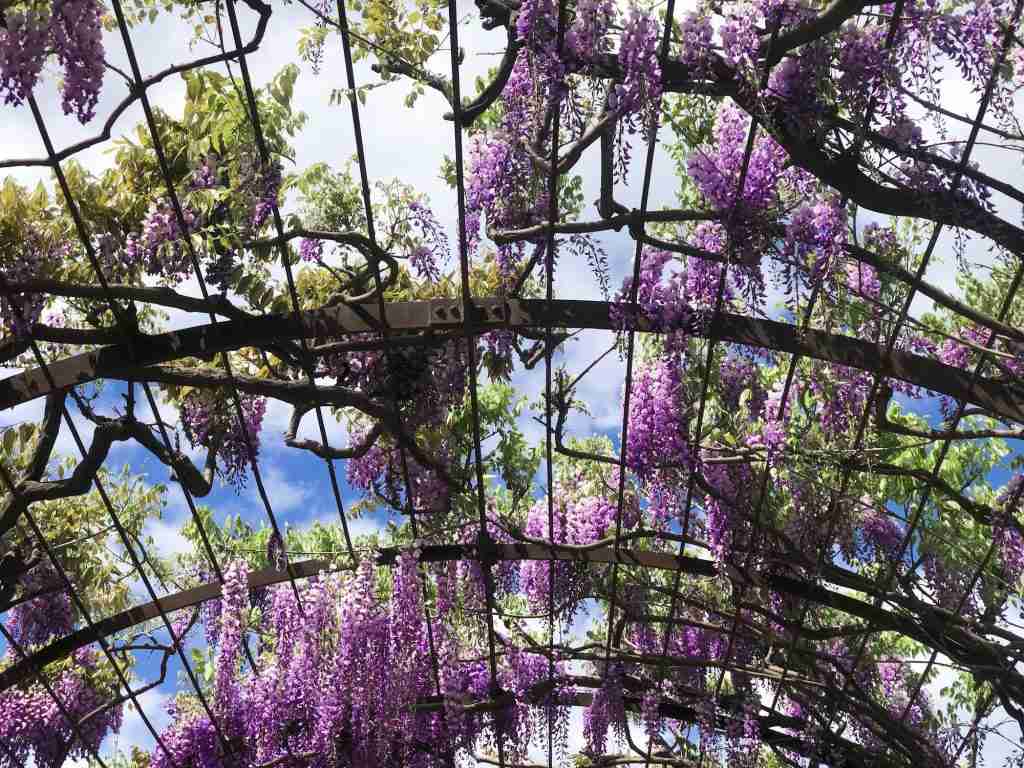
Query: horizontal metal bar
x=59, y=649
x=1002, y=398
x=884, y=620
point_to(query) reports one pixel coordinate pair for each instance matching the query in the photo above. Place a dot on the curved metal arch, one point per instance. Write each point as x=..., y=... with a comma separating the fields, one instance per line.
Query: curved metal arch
x=999, y=397
x=65, y=646
x=24, y=669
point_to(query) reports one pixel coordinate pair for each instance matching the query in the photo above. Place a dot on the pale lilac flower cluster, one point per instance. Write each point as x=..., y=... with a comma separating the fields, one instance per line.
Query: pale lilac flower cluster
x=498, y=184
x=233, y=616
x=424, y=257
x=210, y=421
x=774, y=417
x=469, y=574
x=311, y=249
x=75, y=34
x=881, y=240
x=205, y=175
x=841, y=394
x=891, y=684
x=736, y=375
x=726, y=522
x=533, y=13
x=695, y=32
x=740, y=39
x=820, y=229
x=1007, y=531
x=953, y=353
x=584, y=521
x=882, y=537
x=904, y=131
x=669, y=303
x=23, y=46
x=658, y=434
x=586, y=37
x=606, y=711
x=78, y=37
x=427, y=386
x=640, y=89
x=863, y=280
x=50, y=615
x=948, y=582
x=160, y=248
x=265, y=185
x=654, y=722
x=967, y=35
x=24, y=261
x=716, y=171
x=344, y=633
x=862, y=59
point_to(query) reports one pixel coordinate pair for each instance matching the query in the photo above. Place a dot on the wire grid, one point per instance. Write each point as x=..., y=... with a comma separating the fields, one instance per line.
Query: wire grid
x=549, y=288
x=54, y=162
x=469, y=331
x=225, y=744
x=891, y=572
x=862, y=421
x=385, y=335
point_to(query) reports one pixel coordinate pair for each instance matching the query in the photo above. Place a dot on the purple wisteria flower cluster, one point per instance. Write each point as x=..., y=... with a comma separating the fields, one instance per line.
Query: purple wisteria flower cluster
x=209, y=420
x=73, y=31
x=34, y=727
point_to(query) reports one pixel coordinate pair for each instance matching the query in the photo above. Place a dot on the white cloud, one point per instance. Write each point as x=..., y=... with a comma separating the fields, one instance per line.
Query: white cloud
x=286, y=495
x=167, y=537
x=134, y=731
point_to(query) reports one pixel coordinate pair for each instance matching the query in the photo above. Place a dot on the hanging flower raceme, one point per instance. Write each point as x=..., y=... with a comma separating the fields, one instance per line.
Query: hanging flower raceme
x=74, y=33
x=210, y=420
x=28, y=258
x=344, y=678
x=696, y=34
x=78, y=38
x=23, y=45
x=160, y=249
x=34, y=728
x=584, y=521
x=640, y=90
x=233, y=614
x=717, y=170
x=434, y=242
x=1007, y=529
x=882, y=537
x=260, y=184
x=819, y=229
x=35, y=621
x=658, y=417
x=587, y=35
x=606, y=712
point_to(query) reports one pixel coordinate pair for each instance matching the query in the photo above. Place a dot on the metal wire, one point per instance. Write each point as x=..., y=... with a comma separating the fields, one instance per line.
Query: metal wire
x=468, y=317
x=101, y=491
x=862, y=422
x=197, y=270
x=894, y=335
x=549, y=278
x=84, y=613
x=631, y=334
x=371, y=232
x=286, y=261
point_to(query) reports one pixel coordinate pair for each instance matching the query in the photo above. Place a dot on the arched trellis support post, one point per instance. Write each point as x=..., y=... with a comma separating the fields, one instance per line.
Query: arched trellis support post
x=959, y=638
x=999, y=397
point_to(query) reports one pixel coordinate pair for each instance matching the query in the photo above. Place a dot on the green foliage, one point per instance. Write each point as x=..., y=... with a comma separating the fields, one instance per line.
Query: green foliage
x=82, y=535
